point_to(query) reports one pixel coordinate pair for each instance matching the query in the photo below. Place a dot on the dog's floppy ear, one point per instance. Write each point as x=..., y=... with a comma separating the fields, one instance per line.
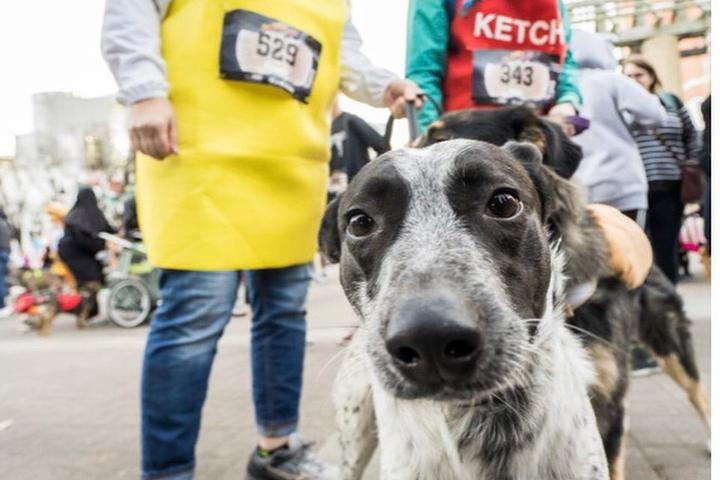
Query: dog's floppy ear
x=329, y=236
x=562, y=201
x=532, y=159
x=562, y=154
x=559, y=152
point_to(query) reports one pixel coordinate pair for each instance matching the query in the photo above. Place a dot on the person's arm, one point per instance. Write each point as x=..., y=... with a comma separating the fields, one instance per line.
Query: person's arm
x=130, y=44
x=131, y=47
x=428, y=28
x=86, y=241
x=369, y=135
x=359, y=78
x=638, y=106
x=369, y=84
x=568, y=90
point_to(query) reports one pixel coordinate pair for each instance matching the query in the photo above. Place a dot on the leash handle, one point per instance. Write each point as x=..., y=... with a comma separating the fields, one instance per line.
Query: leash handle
x=412, y=117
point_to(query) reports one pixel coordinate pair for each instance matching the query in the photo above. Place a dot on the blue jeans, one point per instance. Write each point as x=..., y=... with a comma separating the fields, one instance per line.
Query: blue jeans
x=181, y=346
x=4, y=258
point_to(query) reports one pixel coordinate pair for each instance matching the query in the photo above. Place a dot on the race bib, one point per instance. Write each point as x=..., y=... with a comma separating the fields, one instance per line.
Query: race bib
x=506, y=77
x=259, y=49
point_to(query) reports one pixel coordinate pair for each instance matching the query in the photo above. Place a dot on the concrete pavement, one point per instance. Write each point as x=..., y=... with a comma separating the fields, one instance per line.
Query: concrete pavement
x=69, y=402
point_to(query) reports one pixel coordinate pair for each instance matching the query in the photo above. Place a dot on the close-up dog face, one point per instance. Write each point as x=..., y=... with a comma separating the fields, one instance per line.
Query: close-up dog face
x=443, y=253
x=498, y=126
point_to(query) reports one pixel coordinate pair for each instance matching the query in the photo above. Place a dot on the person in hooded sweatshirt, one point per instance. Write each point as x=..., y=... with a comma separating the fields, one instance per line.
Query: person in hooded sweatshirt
x=612, y=169
x=80, y=243
x=79, y=246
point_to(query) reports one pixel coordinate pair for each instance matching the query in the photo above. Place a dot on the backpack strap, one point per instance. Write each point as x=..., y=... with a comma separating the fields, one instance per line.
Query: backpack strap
x=670, y=101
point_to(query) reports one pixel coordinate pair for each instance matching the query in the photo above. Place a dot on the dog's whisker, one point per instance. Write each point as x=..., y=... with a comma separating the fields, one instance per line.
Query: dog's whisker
x=520, y=417
x=336, y=357
x=351, y=373
x=594, y=336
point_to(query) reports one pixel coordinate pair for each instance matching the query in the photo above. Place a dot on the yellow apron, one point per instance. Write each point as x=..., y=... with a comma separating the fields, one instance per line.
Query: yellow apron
x=248, y=188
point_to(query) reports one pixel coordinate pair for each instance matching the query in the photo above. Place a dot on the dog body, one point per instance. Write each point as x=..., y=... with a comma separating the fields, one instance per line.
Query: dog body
x=444, y=254
x=609, y=316
x=613, y=315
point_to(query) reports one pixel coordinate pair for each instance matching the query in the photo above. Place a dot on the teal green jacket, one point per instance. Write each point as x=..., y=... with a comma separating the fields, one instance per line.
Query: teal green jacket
x=428, y=34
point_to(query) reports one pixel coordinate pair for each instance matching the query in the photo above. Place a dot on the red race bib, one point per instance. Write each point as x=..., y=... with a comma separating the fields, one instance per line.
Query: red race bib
x=505, y=52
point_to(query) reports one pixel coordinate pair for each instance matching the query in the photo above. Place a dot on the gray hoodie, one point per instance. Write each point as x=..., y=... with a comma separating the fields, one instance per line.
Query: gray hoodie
x=611, y=169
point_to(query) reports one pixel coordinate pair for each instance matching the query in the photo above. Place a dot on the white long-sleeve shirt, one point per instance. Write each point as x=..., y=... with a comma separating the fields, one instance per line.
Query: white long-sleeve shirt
x=131, y=46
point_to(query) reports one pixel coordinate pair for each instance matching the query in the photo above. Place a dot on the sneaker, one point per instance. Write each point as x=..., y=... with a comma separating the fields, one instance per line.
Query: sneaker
x=294, y=462
x=642, y=363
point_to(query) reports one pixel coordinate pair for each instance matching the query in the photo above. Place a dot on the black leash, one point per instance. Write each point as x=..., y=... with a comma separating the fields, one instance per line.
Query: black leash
x=412, y=116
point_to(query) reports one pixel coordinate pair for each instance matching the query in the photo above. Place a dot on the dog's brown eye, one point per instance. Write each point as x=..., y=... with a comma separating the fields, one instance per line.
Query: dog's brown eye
x=361, y=225
x=504, y=205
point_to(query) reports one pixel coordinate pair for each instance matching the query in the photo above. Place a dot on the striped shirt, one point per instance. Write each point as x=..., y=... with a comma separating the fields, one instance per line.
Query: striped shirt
x=678, y=142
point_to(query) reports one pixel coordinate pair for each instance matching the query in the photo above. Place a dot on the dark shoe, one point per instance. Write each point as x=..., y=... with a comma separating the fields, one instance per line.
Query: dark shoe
x=294, y=462
x=642, y=363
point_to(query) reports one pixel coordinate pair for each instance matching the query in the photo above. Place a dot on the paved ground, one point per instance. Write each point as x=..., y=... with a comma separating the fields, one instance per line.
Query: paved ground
x=69, y=402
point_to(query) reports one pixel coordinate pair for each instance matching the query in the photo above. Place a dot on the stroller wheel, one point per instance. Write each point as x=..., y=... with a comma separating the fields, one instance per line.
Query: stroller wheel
x=129, y=303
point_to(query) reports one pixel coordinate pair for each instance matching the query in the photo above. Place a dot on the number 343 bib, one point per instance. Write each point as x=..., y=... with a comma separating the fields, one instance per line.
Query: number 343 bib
x=260, y=49
x=507, y=77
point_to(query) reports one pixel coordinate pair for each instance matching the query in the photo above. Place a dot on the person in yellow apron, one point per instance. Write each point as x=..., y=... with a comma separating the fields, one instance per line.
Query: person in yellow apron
x=230, y=109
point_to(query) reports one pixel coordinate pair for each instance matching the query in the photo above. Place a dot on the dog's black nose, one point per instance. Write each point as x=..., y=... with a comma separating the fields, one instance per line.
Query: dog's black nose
x=433, y=341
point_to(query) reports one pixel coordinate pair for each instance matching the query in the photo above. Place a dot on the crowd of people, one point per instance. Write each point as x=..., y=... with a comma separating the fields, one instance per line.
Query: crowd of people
x=237, y=159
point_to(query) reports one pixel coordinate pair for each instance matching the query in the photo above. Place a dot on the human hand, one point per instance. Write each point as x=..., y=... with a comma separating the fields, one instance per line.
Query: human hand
x=559, y=114
x=153, y=128
x=398, y=93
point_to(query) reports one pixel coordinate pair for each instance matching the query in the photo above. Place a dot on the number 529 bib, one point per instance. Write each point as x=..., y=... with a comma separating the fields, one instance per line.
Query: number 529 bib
x=259, y=49
x=514, y=76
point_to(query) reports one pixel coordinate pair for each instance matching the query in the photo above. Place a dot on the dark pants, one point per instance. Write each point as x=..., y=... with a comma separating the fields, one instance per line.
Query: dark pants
x=630, y=214
x=664, y=219
x=4, y=258
x=637, y=216
x=706, y=216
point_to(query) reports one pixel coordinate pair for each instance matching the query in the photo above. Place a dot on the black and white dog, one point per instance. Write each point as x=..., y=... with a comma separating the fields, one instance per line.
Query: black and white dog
x=611, y=315
x=607, y=318
x=444, y=254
